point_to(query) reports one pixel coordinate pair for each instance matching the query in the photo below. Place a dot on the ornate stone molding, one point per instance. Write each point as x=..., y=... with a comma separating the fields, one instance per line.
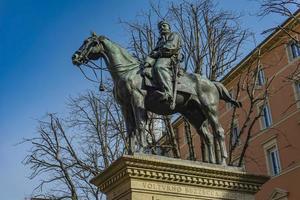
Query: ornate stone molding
x=158, y=171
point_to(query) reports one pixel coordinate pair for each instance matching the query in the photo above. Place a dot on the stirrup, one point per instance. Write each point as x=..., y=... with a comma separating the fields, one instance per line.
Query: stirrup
x=166, y=97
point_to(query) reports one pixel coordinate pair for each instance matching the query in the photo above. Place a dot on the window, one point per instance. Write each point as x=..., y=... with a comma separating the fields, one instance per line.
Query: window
x=260, y=78
x=272, y=156
x=298, y=87
x=294, y=50
x=297, y=92
x=235, y=135
x=273, y=161
x=266, y=119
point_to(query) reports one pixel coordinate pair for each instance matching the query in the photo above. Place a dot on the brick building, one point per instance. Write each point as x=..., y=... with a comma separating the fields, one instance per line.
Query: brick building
x=274, y=143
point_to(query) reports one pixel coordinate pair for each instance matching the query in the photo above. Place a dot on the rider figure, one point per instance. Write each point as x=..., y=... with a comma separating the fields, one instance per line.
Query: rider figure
x=164, y=57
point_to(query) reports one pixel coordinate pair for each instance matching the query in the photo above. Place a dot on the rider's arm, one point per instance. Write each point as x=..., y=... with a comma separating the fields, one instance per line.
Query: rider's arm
x=172, y=45
x=150, y=59
x=149, y=62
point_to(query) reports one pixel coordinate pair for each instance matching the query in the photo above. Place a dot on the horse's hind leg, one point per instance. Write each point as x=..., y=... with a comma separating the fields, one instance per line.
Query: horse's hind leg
x=198, y=120
x=208, y=152
x=218, y=133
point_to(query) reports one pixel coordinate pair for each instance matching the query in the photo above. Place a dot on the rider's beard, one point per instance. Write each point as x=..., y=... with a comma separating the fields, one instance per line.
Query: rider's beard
x=164, y=32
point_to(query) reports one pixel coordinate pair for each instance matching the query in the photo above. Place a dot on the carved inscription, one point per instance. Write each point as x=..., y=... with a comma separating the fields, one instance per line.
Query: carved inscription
x=154, y=198
x=165, y=187
x=162, y=187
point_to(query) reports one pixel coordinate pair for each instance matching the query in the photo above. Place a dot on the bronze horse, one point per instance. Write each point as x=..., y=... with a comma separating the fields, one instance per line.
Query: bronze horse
x=200, y=107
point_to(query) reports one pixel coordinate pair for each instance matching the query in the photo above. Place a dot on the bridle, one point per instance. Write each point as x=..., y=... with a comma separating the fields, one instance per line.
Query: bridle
x=82, y=57
x=83, y=53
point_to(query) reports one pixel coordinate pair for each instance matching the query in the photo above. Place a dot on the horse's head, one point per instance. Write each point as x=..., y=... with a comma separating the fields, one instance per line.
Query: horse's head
x=91, y=49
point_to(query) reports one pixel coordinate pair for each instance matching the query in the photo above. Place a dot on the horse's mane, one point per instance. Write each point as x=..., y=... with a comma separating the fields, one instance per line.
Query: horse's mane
x=122, y=50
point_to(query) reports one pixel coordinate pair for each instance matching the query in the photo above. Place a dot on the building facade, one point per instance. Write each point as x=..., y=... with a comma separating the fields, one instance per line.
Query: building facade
x=267, y=82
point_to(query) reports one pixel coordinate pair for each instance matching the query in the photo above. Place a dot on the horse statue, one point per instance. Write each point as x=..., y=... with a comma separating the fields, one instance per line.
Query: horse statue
x=199, y=106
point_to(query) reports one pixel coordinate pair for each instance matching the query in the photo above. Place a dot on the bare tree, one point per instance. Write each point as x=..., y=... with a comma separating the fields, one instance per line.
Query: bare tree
x=173, y=140
x=51, y=152
x=100, y=119
x=284, y=8
x=211, y=37
x=257, y=97
x=142, y=33
x=189, y=137
x=67, y=153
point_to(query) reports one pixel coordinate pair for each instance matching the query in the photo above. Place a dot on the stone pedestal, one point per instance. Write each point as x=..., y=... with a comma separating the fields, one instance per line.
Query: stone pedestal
x=147, y=177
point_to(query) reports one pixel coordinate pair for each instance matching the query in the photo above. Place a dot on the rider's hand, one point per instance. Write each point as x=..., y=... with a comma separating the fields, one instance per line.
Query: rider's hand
x=147, y=65
x=154, y=54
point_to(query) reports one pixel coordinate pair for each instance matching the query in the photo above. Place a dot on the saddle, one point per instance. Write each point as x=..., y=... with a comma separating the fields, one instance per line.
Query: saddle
x=182, y=78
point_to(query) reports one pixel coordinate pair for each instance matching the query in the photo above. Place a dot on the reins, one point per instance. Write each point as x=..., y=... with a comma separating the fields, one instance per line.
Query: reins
x=112, y=69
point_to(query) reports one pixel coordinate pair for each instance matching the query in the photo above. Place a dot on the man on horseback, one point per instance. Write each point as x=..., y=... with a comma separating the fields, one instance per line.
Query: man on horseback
x=199, y=97
x=164, y=57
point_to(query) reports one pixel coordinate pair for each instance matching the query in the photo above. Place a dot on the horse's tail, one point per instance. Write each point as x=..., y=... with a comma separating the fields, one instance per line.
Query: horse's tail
x=224, y=94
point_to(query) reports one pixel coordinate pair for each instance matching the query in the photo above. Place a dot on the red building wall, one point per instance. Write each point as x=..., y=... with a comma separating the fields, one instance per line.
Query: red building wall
x=284, y=133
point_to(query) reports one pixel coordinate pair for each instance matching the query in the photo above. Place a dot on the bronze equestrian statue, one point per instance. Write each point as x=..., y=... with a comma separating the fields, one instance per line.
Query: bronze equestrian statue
x=197, y=98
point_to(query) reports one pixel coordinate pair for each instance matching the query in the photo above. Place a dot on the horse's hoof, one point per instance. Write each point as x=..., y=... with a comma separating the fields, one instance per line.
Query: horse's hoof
x=223, y=163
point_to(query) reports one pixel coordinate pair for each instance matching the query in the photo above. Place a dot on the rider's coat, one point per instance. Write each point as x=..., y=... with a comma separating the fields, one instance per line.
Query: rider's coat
x=167, y=52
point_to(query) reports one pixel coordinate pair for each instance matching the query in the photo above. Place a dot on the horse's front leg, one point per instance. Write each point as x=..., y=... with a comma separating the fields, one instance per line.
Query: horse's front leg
x=129, y=122
x=140, y=116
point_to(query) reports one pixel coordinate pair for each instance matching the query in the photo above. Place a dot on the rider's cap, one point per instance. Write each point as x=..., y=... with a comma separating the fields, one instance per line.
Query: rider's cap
x=163, y=22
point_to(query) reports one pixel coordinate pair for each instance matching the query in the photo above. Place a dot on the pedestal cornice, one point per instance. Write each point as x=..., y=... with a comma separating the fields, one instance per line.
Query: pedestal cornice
x=175, y=171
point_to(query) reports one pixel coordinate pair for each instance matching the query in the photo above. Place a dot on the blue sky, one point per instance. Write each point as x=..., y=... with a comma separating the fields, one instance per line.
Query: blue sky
x=37, y=76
